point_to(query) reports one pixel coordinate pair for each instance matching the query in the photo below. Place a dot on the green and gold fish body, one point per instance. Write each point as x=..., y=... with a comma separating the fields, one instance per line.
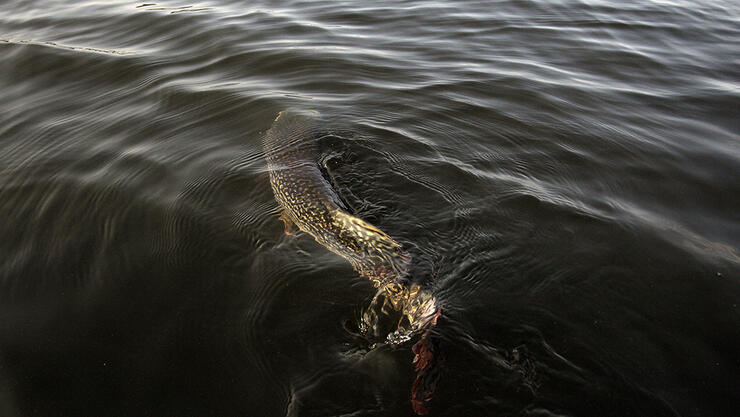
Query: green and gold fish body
x=310, y=202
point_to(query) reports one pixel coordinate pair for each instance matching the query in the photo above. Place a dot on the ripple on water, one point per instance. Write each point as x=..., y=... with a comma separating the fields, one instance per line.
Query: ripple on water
x=564, y=178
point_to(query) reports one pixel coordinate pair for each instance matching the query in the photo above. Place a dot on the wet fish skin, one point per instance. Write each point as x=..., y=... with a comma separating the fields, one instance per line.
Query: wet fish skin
x=309, y=201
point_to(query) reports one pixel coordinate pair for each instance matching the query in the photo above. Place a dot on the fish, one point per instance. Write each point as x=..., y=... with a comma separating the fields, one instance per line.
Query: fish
x=310, y=203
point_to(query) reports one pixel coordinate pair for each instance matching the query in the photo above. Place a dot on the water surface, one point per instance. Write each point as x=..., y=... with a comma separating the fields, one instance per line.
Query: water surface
x=564, y=174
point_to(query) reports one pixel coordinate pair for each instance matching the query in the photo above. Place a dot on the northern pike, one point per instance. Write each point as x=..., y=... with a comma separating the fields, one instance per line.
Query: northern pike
x=310, y=202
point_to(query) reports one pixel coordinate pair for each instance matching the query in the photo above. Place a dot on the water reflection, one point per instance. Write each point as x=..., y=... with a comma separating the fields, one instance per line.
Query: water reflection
x=562, y=176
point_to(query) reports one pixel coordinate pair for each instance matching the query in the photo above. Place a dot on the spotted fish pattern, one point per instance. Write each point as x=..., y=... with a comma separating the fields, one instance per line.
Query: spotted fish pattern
x=310, y=202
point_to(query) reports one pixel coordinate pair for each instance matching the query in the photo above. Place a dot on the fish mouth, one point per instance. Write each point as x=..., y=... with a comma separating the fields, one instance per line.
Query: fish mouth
x=420, y=312
x=399, y=311
x=424, y=312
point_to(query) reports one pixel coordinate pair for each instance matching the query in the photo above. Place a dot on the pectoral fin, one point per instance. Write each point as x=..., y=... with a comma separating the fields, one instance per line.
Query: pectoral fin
x=290, y=227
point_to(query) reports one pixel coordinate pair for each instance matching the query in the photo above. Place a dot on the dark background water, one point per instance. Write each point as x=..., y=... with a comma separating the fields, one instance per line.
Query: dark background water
x=566, y=175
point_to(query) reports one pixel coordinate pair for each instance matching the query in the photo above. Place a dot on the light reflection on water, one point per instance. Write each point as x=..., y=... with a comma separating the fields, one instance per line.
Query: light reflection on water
x=562, y=173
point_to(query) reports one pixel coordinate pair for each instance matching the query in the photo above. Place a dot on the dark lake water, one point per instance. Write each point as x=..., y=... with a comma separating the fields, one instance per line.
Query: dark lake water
x=565, y=175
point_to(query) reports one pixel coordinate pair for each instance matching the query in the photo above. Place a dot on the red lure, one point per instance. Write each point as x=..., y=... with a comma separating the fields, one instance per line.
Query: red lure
x=427, y=359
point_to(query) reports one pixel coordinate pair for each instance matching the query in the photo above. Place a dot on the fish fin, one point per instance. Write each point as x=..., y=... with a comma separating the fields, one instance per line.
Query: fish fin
x=367, y=231
x=290, y=227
